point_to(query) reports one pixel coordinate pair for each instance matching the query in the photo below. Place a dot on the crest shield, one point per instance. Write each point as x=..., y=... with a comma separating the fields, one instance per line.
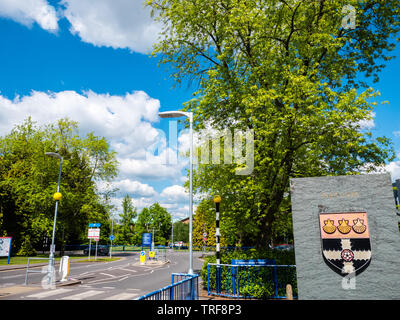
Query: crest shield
x=345, y=241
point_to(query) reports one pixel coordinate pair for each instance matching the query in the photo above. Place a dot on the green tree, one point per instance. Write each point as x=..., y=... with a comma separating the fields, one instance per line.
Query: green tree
x=28, y=180
x=127, y=227
x=181, y=232
x=155, y=217
x=292, y=72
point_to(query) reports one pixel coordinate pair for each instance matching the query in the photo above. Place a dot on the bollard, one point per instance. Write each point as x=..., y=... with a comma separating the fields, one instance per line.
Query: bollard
x=289, y=292
x=64, y=268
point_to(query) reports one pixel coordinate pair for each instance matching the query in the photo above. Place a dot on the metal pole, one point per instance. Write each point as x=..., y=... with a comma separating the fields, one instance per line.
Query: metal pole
x=112, y=233
x=217, y=233
x=217, y=200
x=152, y=242
x=191, y=196
x=52, y=248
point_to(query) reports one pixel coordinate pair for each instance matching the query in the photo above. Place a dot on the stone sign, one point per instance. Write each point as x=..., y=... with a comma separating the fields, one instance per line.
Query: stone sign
x=347, y=239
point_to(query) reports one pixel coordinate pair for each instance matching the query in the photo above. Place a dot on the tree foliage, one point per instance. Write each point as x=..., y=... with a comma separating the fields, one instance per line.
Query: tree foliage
x=28, y=180
x=292, y=72
x=155, y=218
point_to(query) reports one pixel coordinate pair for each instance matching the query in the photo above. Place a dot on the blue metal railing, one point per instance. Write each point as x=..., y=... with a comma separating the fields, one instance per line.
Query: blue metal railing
x=249, y=281
x=183, y=287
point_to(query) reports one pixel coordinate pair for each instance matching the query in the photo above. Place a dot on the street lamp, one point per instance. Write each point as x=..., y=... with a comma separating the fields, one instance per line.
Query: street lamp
x=56, y=197
x=189, y=115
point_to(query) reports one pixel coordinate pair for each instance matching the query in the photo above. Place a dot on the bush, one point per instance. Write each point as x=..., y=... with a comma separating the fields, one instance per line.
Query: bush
x=27, y=248
x=259, y=289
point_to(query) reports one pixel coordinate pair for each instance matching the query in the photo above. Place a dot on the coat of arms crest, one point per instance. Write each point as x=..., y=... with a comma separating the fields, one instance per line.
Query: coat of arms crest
x=345, y=241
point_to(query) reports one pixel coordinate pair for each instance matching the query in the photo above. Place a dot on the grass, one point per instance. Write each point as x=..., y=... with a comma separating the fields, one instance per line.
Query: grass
x=24, y=260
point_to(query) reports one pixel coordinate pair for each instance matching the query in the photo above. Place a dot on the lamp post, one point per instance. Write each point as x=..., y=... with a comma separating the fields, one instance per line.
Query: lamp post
x=217, y=201
x=57, y=197
x=189, y=115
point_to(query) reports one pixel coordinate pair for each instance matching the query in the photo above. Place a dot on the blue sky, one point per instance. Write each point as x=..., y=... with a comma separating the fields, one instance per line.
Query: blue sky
x=91, y=63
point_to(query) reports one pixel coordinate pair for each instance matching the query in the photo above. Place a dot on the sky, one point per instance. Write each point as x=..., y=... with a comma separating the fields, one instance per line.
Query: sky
x=91, y=63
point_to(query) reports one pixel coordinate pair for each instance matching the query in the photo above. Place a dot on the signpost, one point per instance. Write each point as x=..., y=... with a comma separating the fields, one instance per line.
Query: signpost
x=146, y=239
x=142, y=257
x=93, y=233
x=5, y=247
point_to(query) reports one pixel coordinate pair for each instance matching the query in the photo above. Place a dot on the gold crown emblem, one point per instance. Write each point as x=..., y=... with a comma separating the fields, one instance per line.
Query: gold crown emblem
x=329, y=227
x=344, y=226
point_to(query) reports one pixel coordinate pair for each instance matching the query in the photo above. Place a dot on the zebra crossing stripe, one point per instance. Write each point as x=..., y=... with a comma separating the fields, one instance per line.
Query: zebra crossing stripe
x=49, y=293
x=83, y=295
x=122, y=296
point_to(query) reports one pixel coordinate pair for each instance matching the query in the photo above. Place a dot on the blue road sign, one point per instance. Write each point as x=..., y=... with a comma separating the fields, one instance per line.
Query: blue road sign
x=146, y=239
x=94, y=225
x=112, y=237
x=253, y=262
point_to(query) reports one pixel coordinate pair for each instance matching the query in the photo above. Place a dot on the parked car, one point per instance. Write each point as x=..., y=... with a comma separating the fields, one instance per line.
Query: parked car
x=102, y=250
x=284, y=247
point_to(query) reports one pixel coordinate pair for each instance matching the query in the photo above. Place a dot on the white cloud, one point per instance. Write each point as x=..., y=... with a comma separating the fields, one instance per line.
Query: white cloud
x=175, y=193
x=112, y=23
x=367, y=124
x=124, y=120
x=135, y=188
x=394, y=169
x=29, y=12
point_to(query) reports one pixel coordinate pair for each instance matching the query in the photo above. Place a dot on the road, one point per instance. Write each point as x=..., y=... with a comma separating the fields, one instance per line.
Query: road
x=124, y=279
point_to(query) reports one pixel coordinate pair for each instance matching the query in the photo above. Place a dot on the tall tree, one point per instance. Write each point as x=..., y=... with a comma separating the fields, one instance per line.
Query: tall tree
x=28, y=180
x=127, y=227
x=155, y=218
x=291, y=71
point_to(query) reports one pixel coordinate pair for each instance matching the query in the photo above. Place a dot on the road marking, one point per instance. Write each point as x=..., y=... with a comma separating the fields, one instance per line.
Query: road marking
x=15, y=276
x=130, y=270
x=49, y=293
x=122, y=296
x=124, y=278
x=83, y=295
x=107, y=274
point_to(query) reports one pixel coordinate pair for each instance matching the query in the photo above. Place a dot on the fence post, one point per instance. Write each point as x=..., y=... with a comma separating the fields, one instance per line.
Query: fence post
x=208, y=279
x=276, y=281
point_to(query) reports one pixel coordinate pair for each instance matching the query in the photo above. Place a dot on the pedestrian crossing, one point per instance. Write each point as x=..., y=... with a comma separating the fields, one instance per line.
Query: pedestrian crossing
x=79, y=294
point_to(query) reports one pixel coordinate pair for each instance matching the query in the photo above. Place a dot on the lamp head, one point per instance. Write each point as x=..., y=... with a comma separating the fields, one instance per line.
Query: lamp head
x=53, y=154
x=174, y=114
x=217, y=199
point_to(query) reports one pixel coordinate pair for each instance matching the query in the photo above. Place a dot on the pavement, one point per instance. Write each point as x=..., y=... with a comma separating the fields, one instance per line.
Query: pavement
x=20, y=289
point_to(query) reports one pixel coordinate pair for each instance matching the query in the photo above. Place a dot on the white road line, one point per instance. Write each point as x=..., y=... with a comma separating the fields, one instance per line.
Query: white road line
x=122, y=296
x=15, y=276
x=107, y=274
x=130, y=270
x=49, y=293
x=83, y=295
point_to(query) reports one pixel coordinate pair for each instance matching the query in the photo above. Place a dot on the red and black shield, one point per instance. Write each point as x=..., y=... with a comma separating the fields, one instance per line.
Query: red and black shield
x=345, y=241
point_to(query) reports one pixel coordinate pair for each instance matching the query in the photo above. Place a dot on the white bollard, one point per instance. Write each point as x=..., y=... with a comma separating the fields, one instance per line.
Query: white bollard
x=64, y=268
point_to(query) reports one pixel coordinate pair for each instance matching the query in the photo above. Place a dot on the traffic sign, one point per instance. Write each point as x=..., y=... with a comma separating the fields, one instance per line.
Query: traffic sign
x=204, y=234
x=142, y=257
x=146, y=239
x=94, y=225
x=94, y=233
x=112, y=237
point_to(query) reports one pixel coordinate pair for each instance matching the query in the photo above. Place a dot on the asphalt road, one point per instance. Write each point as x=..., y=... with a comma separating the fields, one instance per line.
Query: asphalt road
x=124, y=279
